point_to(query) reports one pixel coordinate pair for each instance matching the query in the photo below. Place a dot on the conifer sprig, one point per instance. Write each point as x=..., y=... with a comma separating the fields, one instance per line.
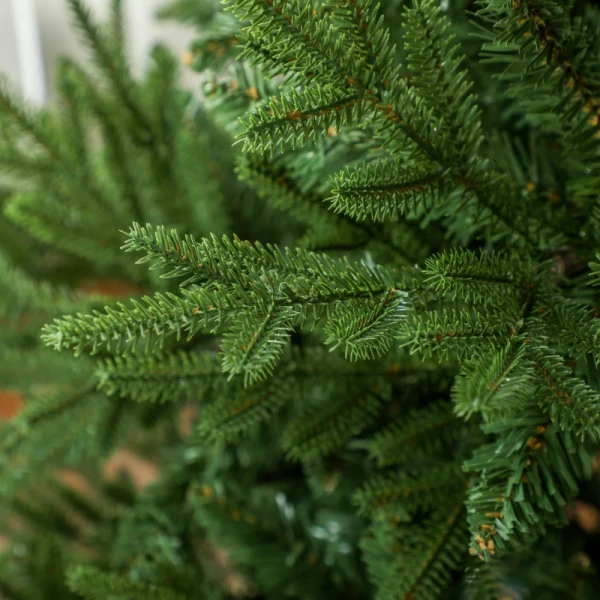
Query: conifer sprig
x=496, y=383
x=94, y=584
x=259, y=292
x=458, y=334
x=464, y=246
x=439, y=77
x=574, y=405
x=435, y=549
x=405, y=492
x=152, y=319
x=242, y=410
x=417, y=436
x=111, y=64
x=253, y=345
x=163, y=377
x=475, y=278
x=384, y=191
x=317, y=433
x=526, y=477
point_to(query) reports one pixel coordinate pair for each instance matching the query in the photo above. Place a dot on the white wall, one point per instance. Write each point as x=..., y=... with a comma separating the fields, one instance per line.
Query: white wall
x=58, y=37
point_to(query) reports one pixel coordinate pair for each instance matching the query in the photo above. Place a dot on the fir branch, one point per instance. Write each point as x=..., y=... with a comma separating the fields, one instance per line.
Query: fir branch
x=294, y=277
x=383, y=191
x=297, y=34
x=318, y=433
x=526, y=477
x=404, y=492
x=570, y=324
x=574, y=405
x=433, y=550
x=441, y=556
x=66, y=426
x=495, y=384
x=595, y=271
x=367, y=328
x=117, y=148
x=164, y=377
x=240, y=279
x=256, y=341
x=41, y=409
x=364, y=26
x=474, y=277
x=240, y=410
x=436, y=76
x=486, y=581
x=458, y=334
x=153, y=319
x=277, y=185
x=36, y=127
x=299, y=116
x=44, y=218
x=94, y=584
x=39, y=299
x=116, y=71
x=419, y=435
x=394, y=112
x=117, y=27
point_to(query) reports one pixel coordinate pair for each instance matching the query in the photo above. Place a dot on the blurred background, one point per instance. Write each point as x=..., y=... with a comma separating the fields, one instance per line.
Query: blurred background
x=34, y=33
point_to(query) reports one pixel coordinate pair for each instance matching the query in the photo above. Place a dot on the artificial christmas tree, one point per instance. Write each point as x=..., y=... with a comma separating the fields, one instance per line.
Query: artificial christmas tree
x=390, y=371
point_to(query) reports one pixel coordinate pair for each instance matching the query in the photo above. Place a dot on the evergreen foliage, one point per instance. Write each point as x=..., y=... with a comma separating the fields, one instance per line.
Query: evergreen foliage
x=363, y=358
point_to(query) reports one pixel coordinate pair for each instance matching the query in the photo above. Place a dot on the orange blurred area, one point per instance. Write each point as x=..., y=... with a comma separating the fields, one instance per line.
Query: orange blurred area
x=142, y=472
x=116, y=288
x=11, y=403
x=586, y=516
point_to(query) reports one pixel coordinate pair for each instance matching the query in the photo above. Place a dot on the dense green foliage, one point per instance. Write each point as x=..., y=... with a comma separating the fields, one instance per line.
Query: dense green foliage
x=379, y=304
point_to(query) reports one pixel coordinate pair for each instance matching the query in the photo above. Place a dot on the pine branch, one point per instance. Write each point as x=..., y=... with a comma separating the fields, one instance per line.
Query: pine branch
x=434, y=549
x=570, y=324
x=36, y=127
x=496, y=384
x=550, y=58
x=299, y=116
x=255, y=343
x=487, y=581
x=38, y=299
x=395, y=112
x=404, y=492
x=384, y=191
x=94, y=584
x=117, y=147
x=241, y=411
x=276, y=185
x=165, y=377
x=153, y=319
x=367, y=328
x=116, y=71
x=440, y=558
x=241, y=280
x=439, y=78
x=364, y=27
x=317, y=433
x=44, y=218
x=298, y=34
x=246, y=265
x=476, y=278
x=117, y=27
x=421, y=434
x=446, y=334
x=595, y=271
x=526, y=477
x=67, y=426
x=574, y=405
